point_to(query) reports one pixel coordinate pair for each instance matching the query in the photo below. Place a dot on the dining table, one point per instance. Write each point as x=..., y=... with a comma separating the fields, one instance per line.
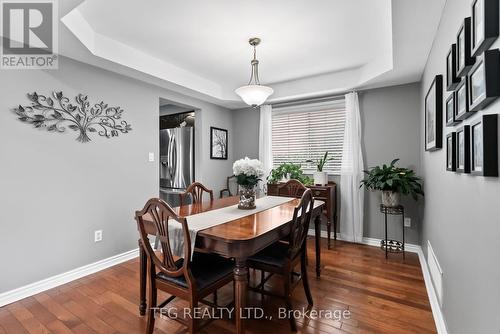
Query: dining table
x=238, y=239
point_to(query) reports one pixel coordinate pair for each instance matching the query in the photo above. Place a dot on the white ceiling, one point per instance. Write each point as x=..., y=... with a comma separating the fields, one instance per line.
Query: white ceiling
x=308, y=48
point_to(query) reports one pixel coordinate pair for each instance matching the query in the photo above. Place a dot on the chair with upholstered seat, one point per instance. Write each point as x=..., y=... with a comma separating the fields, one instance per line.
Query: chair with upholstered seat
x=195, y=192
x=232, y=188
x=282, y=257
x=186, y=278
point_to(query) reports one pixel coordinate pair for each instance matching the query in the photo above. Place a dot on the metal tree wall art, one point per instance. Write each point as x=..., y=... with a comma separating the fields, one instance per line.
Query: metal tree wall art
x=56, y=113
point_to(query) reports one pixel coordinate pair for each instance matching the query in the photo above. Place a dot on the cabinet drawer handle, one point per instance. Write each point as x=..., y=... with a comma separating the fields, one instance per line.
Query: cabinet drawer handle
x=317, y=193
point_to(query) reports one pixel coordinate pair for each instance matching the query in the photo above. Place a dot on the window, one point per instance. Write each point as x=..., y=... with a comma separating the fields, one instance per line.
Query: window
x=306, y=132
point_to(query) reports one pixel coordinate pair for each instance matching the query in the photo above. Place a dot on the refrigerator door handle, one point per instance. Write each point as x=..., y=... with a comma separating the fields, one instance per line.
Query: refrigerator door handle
x=172, y=157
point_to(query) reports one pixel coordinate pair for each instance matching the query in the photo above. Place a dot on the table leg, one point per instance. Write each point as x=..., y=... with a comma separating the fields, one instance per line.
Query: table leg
x=240, y=293
x=142, y=279
x=329, y=229
x=386, y=244
x=403, y=246
x=317, y=230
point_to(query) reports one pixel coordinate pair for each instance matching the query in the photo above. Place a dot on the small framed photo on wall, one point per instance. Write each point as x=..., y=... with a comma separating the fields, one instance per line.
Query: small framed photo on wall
x=451, y=109
x=484, y=80
x=464, y=58
x=463, y=149
x=218, y=143
x=434, y=115
x=451, y=69
x=462, y=97
x=484, y=25
x=484, y=146
x=451, y=152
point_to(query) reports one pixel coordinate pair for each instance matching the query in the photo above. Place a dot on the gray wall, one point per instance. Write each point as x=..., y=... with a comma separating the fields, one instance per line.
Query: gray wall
x=461, y=217
x=55, y=191
x=389, y=118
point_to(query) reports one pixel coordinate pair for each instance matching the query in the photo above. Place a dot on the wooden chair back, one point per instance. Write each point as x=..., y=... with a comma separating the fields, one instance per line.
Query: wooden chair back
x=159, y=216
x=195, y=191
x=292, y=188
x=300, y=224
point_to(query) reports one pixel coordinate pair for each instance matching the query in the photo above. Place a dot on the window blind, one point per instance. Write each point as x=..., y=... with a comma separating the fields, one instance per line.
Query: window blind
x=304, y=132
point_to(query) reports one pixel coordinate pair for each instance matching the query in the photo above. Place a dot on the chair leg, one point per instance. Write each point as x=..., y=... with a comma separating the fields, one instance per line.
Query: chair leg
x=152, y=300
x=262, y=278
x=215, y=297
x=288, y=301
x=305, y=279
x=192, y=322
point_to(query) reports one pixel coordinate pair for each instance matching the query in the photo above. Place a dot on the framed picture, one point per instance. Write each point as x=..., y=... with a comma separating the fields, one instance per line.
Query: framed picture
x=464, y=58
x=484, y=146
x=451, y=109
x=218, y=143
x=462, y=97
x=451, y=152
x=434, y=115
x=484, y=25
x=451, y=69
x=484, y=80
x=463, y=149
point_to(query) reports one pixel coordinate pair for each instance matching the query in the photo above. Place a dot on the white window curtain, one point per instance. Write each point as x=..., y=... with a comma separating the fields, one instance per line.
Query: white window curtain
x=266, y=139
x=351, y=173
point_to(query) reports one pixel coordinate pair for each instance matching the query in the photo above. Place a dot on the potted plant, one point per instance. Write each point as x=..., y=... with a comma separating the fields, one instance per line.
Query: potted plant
x=288, y=170
x=320, y=177
x=393, y=181
x=248, y=173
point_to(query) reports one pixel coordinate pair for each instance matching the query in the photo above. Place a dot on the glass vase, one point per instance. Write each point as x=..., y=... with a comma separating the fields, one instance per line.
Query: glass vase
x=247, y=198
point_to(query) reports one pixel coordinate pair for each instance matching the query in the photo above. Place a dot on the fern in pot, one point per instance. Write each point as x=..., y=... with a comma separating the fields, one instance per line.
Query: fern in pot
x=393, y=181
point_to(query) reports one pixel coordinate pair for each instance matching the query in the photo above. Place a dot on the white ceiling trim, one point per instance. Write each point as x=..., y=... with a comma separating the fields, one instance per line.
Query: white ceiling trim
x=120, y=53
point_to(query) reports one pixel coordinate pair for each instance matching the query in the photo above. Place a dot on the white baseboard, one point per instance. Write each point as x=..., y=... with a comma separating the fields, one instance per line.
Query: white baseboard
x=412, y=248
x=431, y=292
x=54, y=281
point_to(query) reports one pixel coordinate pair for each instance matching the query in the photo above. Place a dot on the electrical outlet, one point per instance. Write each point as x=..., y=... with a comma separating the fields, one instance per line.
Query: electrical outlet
x=151, y=157
x=407, y=222
x=98, y=236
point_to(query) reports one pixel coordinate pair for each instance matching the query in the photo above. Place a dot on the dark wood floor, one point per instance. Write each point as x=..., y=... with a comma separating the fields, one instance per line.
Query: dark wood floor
x=382, y=296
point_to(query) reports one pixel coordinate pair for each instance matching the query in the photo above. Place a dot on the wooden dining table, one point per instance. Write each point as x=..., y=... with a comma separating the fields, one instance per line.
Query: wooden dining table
x=238, y=239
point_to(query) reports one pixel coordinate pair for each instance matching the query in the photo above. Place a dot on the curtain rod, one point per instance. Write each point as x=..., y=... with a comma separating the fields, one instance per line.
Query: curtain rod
x=309, y=100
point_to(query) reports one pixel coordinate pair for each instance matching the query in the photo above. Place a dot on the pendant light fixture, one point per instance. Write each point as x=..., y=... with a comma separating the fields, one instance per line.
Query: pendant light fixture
x=254, y=94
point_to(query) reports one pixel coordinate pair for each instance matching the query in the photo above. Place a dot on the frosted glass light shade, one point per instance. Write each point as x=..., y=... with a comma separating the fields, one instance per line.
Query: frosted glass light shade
x=254, y=95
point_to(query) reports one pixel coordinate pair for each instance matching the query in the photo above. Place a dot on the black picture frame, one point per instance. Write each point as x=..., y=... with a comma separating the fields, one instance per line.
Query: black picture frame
x=484, y=146
x=484, y=80
x=433, y=109
x=452, y=80
x=218, y=143
x=464, y=59
x=463, y=149
x=451, y=151
x=450, y=107
x=462, y=98
x=484, y=25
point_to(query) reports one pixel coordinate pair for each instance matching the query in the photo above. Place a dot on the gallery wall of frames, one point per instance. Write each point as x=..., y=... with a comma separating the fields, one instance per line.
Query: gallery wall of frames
x=472, y=82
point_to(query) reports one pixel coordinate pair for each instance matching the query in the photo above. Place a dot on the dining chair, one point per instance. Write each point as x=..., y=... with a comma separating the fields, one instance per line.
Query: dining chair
x=281, y=258
x=232, y=188
x=186, y=278
x=195, y=191
x=292, y=188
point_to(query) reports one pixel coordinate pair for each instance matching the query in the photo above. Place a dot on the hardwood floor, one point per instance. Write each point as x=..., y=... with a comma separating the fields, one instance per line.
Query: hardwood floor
x=381, y=296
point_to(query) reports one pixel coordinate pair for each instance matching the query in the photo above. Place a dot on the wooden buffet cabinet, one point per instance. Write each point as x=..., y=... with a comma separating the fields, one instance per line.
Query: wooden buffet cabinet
x=326, y=193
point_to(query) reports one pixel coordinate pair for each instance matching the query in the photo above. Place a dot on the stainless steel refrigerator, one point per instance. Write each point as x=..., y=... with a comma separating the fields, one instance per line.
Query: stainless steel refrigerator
x=176, y=162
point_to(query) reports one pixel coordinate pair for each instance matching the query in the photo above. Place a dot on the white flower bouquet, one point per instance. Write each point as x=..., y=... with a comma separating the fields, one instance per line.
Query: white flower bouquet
x=248, y=172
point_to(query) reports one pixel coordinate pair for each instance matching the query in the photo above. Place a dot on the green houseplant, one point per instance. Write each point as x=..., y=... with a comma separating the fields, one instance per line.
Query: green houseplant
x=288, y=170
x=393, y=181
x=320, y=177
